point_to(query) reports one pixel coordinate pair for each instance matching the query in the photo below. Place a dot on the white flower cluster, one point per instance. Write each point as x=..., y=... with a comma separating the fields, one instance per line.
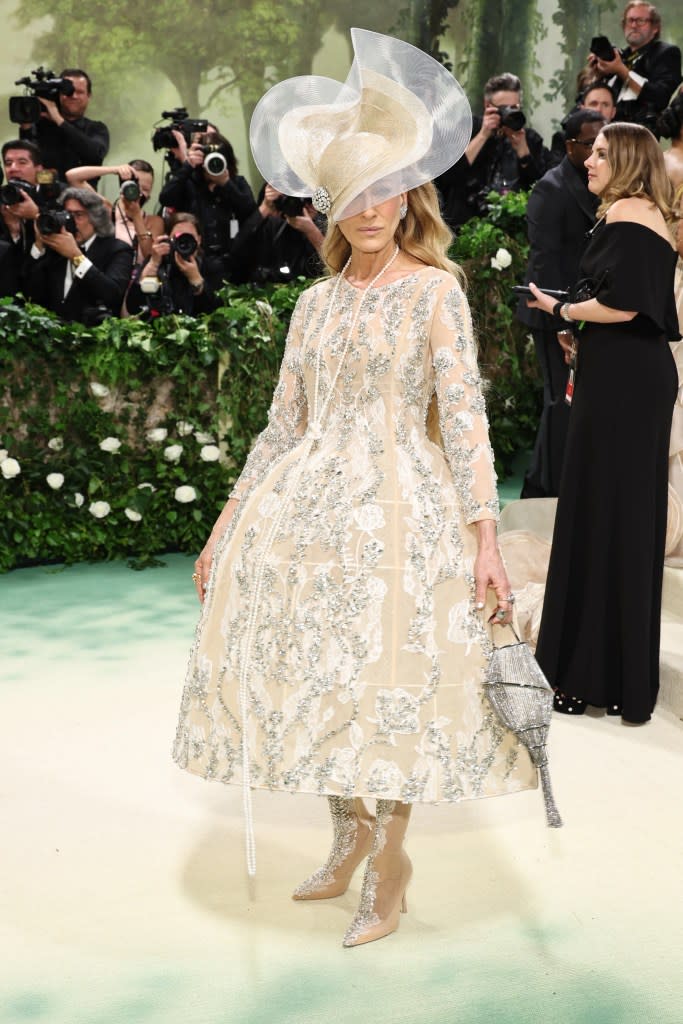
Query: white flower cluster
x=185, y=494
x=209, y=452
x=8, y=467
x=502, y=260
x=110, y=444
x=99, y=509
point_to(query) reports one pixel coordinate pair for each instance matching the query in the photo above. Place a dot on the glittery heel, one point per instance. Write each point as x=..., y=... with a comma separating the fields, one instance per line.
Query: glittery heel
x=352, y=840
x=369, y=926
x=387, y=874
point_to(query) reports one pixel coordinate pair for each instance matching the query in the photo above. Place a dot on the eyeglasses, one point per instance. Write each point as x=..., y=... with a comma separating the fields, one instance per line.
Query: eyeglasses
x=582, y=142
x=636, y=21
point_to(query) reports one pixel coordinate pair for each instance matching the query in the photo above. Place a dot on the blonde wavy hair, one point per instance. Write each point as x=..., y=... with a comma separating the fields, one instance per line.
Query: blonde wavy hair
x=422, y=234
x=638, y=169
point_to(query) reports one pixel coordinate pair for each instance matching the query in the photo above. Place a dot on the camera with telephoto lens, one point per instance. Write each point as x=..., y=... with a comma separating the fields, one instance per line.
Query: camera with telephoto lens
x=184, y=244
x=162, y=136
x=130, y=190
x=10, y=194
x=289, y=206
x=215, y=162
x=44, y=85
x=51, y=222
x=512, y=118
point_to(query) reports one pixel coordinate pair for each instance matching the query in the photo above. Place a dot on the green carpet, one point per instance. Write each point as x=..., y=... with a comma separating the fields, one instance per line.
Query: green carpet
x=124, y=897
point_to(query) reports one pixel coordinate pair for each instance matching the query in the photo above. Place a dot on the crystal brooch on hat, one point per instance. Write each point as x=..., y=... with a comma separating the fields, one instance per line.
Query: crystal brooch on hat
x=321, y=200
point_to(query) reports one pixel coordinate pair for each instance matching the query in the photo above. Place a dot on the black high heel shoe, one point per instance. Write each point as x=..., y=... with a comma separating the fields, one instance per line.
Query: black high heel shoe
x=568, y=705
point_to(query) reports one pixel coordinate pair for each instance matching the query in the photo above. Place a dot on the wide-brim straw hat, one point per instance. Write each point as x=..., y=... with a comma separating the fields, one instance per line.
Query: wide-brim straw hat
x=399, y=120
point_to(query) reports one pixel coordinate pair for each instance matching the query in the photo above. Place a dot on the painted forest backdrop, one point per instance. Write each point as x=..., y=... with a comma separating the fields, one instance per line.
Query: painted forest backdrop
x=218, y=57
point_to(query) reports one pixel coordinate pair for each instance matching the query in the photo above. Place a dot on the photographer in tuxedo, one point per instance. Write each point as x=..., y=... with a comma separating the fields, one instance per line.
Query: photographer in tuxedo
x=77, y=268
x=646, y=72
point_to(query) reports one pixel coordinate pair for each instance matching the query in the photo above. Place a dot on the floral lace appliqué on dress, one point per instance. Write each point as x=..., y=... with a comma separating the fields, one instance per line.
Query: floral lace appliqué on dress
x=342, y=594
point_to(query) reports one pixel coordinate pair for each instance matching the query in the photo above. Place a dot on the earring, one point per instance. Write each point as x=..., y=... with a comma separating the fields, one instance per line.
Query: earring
x=403, y=209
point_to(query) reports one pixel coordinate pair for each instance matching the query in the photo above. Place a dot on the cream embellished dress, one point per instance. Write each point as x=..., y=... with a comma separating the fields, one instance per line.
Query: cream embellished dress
x=338, y=651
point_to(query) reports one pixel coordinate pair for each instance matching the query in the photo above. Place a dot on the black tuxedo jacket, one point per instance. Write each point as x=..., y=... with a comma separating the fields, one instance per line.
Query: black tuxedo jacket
x=105, y=283
x=660, y=63
x=560, y=213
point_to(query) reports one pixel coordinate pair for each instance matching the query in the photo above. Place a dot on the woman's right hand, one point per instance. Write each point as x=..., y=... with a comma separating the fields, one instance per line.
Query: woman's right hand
x=202, y=566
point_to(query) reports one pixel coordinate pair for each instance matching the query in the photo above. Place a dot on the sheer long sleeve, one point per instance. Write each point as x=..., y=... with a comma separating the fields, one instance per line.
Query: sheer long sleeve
x=288, y=414
x=462, y=410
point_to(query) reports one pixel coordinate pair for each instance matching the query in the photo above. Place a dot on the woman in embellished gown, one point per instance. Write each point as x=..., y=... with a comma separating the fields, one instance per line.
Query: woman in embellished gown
x=599, y=636
x=346, y=585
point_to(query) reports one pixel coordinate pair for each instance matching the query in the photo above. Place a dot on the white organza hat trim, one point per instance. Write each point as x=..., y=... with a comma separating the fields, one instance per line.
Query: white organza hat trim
x=399, y=120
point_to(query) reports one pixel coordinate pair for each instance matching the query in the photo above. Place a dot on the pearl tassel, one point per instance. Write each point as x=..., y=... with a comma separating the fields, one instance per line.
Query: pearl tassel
x=312, y=436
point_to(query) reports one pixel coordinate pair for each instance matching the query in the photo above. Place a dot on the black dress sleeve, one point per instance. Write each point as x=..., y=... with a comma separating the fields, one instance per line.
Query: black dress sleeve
x=634, y=269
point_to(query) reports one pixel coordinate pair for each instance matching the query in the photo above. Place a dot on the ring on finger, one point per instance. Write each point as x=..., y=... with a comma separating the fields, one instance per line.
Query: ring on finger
x=500, y=614
x=510, y=598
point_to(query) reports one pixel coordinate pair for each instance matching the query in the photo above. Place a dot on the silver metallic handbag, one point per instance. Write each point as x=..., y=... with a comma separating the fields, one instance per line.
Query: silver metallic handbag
x=522, y=698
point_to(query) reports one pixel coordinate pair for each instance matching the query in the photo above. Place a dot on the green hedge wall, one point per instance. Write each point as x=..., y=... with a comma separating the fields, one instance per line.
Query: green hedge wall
x=110, y=436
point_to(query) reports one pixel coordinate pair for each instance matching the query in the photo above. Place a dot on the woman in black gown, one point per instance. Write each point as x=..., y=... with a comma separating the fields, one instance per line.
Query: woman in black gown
x=599, y=635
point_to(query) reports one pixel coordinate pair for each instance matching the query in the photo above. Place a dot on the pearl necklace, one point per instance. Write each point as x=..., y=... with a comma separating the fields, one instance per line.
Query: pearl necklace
x=311, y=438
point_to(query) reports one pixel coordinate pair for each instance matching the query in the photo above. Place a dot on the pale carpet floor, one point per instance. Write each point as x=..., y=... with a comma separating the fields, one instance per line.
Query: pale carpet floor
x=124, y=895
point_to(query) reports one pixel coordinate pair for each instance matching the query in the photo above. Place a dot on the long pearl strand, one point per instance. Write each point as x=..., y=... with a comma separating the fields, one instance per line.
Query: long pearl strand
x=312, y=436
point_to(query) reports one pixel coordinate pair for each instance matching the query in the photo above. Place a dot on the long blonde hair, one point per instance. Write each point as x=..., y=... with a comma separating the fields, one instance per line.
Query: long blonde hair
x=638, y=169
x=421, y=234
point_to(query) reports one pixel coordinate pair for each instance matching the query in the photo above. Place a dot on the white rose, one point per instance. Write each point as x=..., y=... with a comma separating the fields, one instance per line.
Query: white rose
x=10, y=468
x=209, y=453
x=204, y=438
x=3, y=454
x=55, y=480
x=158, y=434
x=147, y=487
x=134, y=516
x=110, y=444
x=501, y=260
x=99, y=390
x=185, y=494
x=56, y=444
x=78, y=499
x=173, y=452
x=183, y=428
x=99, y=509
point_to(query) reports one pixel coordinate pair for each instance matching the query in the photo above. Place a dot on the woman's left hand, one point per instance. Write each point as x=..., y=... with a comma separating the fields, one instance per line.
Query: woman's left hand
x=541, y=301
x=489, y=571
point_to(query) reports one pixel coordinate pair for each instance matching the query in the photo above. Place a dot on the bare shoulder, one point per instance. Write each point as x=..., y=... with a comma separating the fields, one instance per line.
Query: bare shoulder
x=640, y=211
x=634, y=210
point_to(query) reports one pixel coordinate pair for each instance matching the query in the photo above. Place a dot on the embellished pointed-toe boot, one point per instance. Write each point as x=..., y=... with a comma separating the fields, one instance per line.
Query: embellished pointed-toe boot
x=387, y=874
x=353, y=829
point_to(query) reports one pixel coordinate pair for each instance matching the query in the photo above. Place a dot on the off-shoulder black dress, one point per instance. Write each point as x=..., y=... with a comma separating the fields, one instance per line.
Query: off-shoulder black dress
x=599, y=635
